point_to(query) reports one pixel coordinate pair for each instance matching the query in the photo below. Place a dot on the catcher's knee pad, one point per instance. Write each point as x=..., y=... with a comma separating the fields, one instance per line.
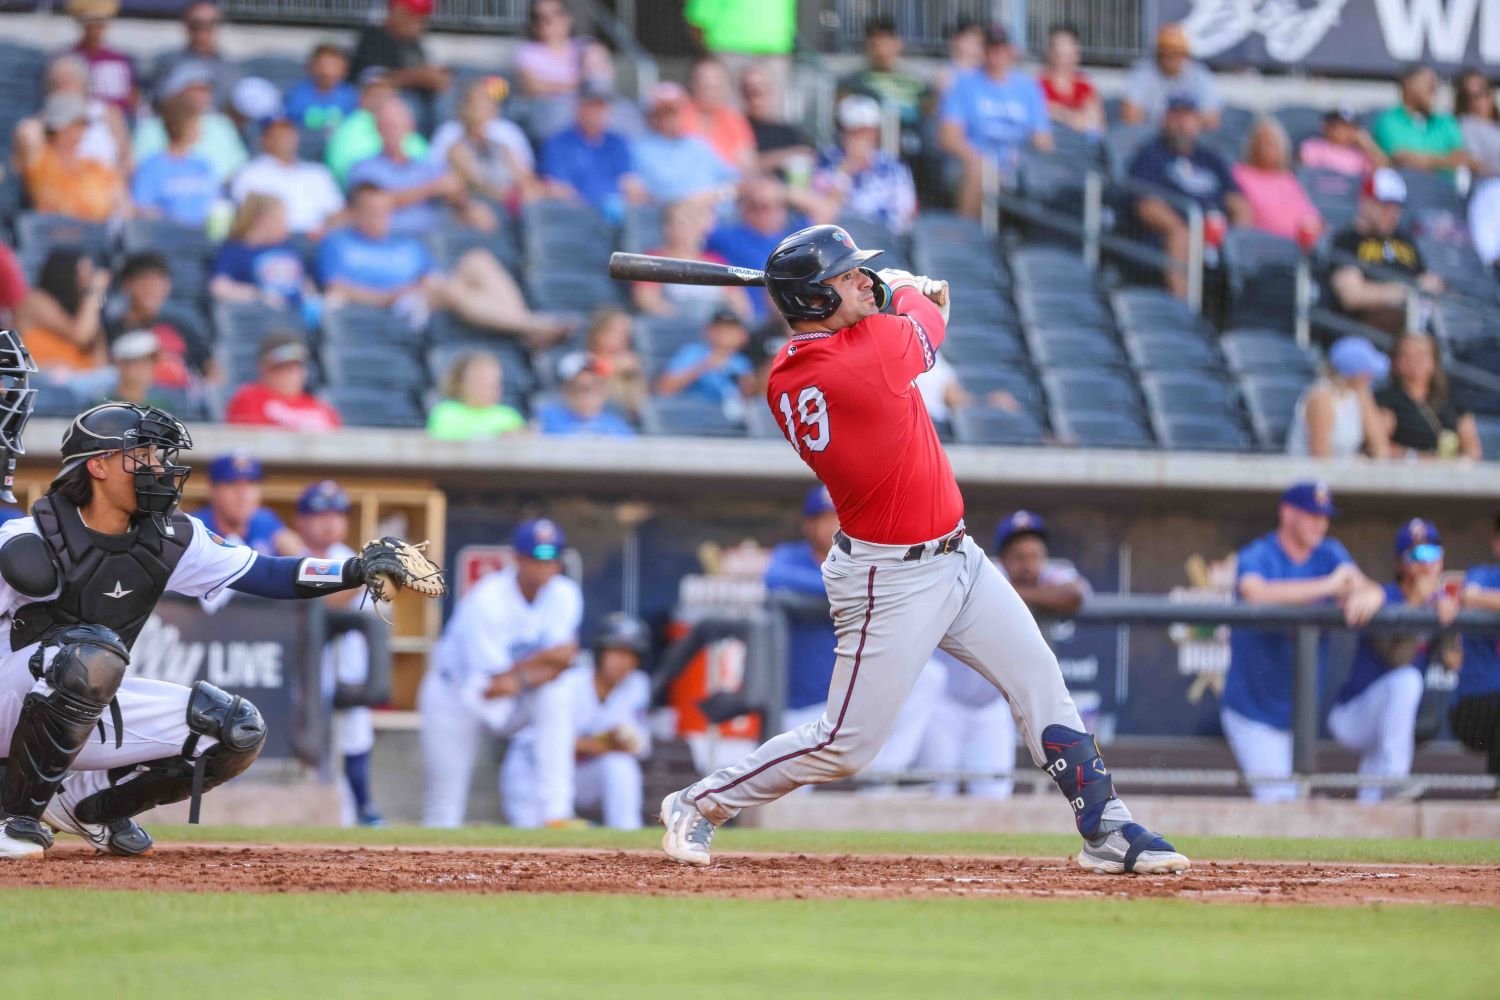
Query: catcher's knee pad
x=53, y=728
x=1074, y=763
x=228, y=718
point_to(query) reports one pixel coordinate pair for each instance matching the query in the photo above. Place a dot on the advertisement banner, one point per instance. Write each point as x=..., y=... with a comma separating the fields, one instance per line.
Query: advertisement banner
x=1359, y=37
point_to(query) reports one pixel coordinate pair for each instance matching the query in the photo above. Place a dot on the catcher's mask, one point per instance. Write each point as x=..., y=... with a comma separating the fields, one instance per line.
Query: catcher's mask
x=16, y=400
x=138, y=433
x=798, y=270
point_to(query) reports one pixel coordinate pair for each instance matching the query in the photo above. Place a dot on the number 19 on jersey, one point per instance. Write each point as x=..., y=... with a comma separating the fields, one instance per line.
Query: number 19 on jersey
x=811, y=413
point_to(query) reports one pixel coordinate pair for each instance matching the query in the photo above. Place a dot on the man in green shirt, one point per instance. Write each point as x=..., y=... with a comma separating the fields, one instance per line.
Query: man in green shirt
x=1412, y=135
x=356, y=138
x=883, y=80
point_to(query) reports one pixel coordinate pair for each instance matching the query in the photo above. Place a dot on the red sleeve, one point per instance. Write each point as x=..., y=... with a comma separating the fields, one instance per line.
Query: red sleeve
x=12, y=279
x=908, y=341
x=245, y=407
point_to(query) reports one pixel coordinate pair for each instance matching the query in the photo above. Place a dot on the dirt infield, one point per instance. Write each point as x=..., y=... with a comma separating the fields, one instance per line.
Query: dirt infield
x=273, y=868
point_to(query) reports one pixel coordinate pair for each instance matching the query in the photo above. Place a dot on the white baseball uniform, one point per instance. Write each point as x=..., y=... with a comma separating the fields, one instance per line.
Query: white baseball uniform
x=153, y=712
x=543, y=780
x=492, y=629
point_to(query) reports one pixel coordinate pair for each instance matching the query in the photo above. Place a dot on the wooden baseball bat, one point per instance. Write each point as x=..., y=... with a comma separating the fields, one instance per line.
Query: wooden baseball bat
x=677, y=271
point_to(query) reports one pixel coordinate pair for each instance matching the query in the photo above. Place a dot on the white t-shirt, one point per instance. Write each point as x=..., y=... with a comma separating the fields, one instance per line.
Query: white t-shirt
x=306, y=189
x=494, y=626
x=208, y=566
x=579, y=709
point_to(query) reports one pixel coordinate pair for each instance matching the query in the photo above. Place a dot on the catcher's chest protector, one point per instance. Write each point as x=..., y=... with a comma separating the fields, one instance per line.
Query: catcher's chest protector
x=110, y=580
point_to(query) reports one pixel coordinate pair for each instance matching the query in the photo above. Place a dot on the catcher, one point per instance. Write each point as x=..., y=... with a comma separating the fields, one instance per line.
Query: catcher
x=87, y=747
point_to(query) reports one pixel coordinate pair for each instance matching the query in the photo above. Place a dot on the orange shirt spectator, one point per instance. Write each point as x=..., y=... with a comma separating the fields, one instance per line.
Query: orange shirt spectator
x=712, y=116
x=280, y=398
x=58, y=179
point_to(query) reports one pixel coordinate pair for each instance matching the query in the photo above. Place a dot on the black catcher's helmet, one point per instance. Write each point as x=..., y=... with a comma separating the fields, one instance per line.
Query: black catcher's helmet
x=800, y=265
x=124, y=427
x=16, y=400
x=623, y=631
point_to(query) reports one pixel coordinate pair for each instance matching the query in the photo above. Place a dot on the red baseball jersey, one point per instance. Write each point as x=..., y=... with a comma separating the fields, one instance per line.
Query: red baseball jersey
x=846, y=402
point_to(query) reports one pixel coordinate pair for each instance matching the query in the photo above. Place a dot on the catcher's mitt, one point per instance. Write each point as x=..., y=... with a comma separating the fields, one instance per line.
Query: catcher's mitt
x=392, y=565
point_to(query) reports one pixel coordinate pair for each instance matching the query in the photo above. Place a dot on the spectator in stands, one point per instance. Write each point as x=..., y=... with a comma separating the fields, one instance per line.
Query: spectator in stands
x=1071, y=99
x=711, y=114
x=306, y=190
x=1375, y=711
x=176, y=184
x=548, y=64
x=1376, y=265
x=582, y=404
x=1412, y=134
x=367, y=264
x=259, y=262
x=1343, y=146
x=280, y=398
x=471, y=407
x=105, y=137
x=200, y=21
x=320, y=101
x=766, y=218
x=1173, y=73
x=490, y=155
x=395, y=46
x=673, y=165
x=715, y=369
x=357, y=139
x=218, y=139
x=591, y=161
x=1421, y=417
x=144, y=303
x=235, y=511
x=60, y=179
x=608, y=345
x=797, y=567
x=780, y=146
x=1475, y=715
x=882, y=78
x=1479, y=119
x=1278, y=204
x=858, y=178
x=423, y=190
x=12, y=287
x=685, y=227
x=60, y=317
x=111, y=74
x=1295, y=564
x=965, y=53
x=134, y=357
x=993, y=114
x=1336, y=416
x=1176, y=161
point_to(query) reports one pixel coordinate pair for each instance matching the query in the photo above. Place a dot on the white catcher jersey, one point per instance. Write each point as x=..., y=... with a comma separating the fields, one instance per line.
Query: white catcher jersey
x=208, y=565
x=494, y=626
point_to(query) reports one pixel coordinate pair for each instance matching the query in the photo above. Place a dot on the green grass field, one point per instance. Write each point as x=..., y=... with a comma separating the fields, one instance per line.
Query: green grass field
x=161, y=945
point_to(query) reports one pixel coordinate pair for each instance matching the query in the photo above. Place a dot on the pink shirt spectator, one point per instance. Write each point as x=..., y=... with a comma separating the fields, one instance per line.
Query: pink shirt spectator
x=546, y=65
x=1278, y=205
x=111, y=78
x=1319, y=153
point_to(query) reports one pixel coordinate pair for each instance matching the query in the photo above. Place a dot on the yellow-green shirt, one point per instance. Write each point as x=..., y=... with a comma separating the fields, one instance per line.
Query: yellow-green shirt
x=762, y=27
x=451, y=420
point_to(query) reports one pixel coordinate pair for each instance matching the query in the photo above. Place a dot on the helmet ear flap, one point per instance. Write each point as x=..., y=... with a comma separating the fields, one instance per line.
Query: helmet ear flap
x=881, y=289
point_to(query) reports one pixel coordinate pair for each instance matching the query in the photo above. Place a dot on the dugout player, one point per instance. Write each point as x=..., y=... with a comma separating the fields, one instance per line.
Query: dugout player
x=903, y=576
x=78, y=580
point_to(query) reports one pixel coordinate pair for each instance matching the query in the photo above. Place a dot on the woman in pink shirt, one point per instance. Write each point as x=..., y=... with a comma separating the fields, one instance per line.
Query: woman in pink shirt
x=1278, y=205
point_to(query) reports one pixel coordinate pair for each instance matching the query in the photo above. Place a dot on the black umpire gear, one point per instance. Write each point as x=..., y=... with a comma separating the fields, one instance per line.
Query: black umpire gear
x=124, y=428
x=798, y=270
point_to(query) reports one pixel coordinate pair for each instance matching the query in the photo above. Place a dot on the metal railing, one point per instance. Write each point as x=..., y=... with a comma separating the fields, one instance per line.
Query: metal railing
x=1109, y=31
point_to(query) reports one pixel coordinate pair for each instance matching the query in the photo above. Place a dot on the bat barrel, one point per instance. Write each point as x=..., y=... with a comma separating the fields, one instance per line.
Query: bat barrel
x=678, y=271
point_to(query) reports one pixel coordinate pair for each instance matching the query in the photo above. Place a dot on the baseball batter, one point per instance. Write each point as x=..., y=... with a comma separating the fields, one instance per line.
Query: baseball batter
x=903, y=576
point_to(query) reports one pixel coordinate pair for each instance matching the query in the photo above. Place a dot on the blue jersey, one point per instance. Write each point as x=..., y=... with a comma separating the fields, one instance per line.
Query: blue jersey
x=1369, y=665
x=260, y=533
x=810, y=646
x=1259, y=682
x=1481, y=671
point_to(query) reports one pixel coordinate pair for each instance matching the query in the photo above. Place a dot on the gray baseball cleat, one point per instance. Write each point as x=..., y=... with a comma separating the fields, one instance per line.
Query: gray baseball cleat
x=23, y=838
x=123, y=837
x=1132, y=849
x=689, y=833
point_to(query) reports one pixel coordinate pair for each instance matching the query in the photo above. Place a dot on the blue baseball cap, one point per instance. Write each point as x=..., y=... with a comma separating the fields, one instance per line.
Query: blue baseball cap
x=1022, y=522
x=817, y=502
x=324, y=497
x=1355, y=356
x=538, y=539
x=1418, y=541
x=1312, y=497
x=235, y=467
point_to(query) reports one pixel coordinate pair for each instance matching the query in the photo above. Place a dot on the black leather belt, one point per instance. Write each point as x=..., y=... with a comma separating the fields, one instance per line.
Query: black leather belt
x=947, y=545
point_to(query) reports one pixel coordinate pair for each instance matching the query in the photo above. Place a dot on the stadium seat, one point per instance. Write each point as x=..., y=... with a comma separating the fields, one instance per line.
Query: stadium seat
x=57, y=399
x=283, y=71
x=1054, y=180
x=1489, y=436
x=657, y=338
x=378, y=365
x=1301, y=122
x=1271, y=401
x=518, y=374
x=990, y=425
x=449, y=242
x=761, y=423
x=578, y=291
x=1153, y=310
x=870, y=234
x=685, y=416
x=1090, y=390
x=1461, y=320
x=641, y=230
x=356, y=324
x=1066, y=309
x=187, y=251
x=1102, y=430
x=969, y=345
x=362, y=406
x=1072, y=348
x=1169, y=350
x=38, y=232
x=1262, y=278
x=1431, y=195
x=239, y=327
x=1454, y=260
x=1335, y=195
x=1121, y=142
x=566, y=235
x=1020, y=382
x=971, y=303
x=1199, y=432
x=1265, y=352
x=1188, y=393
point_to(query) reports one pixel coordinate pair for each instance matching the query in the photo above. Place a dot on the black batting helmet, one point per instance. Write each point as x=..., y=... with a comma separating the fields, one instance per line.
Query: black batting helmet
x=623, y=631
x=801, y=264
x=124, y=427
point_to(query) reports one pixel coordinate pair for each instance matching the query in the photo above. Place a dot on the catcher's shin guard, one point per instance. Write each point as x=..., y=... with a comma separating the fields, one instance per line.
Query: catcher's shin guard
x=1074, y=763
x=53, y=728
x=233, y=721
